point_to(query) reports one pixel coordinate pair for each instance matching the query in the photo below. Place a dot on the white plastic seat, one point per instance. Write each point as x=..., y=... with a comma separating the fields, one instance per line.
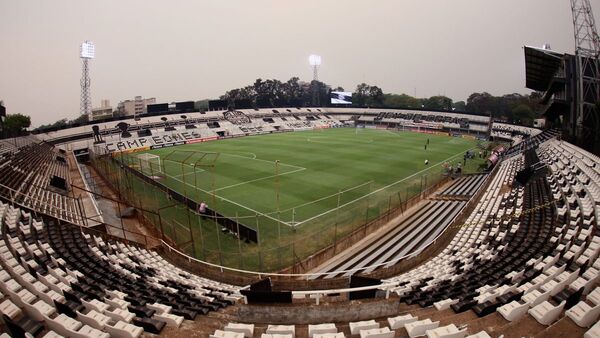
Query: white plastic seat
x=63, y=324
x=419, y=327
x=448, y=331
x=545, y=313
x=513, y=310
x=9, y=309
x=583, y=314
x=594, y=296
x=281, y=329
x=536, y=297
x=399, y=321
x=39, y=310
x=383, y=332
x=593, y=332
x=120, y=314
x=356, y=327
x=321, y=329
x=170, y=319
x=124, y=330
x=95, y=304
x=329, y=335
x=117, y=303
x=444, y=304
x=246, y=329
x=50, y=334
x=94, y=319
x=89, y=332
x=160, y=308
x=226, y=334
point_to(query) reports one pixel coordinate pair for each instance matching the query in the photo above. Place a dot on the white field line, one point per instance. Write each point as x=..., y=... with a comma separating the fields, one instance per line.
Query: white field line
x=192, y=172
x=316, y=139
x=242, y=152
x=393, y=133
x=320, y=199
x=260, y=179
x=380, y=189
x=258, y=159
x=232, y=202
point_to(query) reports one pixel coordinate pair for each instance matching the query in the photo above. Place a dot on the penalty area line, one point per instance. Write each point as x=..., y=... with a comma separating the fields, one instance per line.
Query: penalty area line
x=260, y=179
x=232, y=202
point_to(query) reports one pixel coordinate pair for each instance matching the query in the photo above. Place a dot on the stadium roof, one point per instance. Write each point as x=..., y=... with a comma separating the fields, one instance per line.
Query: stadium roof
x=540, y=67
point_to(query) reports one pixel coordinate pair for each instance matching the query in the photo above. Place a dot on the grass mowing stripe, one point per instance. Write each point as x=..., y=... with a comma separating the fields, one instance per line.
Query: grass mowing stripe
x=381, y=189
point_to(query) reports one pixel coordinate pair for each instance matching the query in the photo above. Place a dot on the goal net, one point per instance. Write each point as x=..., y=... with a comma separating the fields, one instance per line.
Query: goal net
x=150, y=164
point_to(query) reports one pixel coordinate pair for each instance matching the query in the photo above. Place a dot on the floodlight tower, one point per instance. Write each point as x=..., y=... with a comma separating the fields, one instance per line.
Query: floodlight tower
x=587, y=52
x=87, y=52
x=315, y=62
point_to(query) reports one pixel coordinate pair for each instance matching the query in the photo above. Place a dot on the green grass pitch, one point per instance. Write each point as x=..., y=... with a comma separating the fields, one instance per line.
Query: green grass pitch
x=288, y=186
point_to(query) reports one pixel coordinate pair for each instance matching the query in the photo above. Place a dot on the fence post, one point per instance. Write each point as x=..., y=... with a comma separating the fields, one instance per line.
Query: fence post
x=337, y=213
x=389, y=212
x=218, y=237
x=260, y=265
x=237, y=223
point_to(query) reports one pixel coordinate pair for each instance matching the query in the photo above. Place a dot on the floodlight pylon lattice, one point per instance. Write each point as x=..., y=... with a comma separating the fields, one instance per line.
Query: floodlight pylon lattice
x=87, y=52
x=86, y=96
x=587, y=53
x=315, y=62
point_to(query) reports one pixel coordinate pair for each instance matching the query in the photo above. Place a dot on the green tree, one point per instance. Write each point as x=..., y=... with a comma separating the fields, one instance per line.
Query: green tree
x=16, y=124
x=459, y=105
x=522, y=114
x=366, y=95
x=438, y=102
x=81, y=120
x=402, y=100
x=375, y=96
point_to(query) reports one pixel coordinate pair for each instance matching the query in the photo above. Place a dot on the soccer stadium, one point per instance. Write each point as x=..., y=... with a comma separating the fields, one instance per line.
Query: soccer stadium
x=324, y=220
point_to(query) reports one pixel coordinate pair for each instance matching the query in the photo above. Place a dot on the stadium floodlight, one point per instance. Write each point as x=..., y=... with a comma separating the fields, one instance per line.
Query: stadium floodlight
x=314, y=60
x=87, y=50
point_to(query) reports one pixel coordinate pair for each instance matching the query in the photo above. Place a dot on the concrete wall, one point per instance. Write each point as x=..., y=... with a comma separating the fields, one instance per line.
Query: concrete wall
x=317, y=314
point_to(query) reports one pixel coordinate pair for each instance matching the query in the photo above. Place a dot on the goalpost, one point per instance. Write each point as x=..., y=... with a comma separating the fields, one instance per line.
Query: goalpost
x=150, y=164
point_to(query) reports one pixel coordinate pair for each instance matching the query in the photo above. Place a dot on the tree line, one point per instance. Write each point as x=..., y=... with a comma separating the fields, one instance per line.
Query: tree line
x=512, y=108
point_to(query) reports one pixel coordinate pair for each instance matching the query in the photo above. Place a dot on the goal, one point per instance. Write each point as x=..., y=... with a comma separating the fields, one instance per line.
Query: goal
x=150, y=165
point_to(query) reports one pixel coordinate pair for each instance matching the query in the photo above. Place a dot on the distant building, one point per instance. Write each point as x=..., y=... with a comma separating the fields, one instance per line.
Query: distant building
x=136, y=106
x=105, y=111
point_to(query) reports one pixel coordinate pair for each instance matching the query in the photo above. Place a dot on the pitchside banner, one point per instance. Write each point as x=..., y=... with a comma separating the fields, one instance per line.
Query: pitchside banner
x=158, y=141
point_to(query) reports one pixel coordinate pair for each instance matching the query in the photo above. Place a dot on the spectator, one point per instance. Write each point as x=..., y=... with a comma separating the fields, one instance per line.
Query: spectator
x=202, y=208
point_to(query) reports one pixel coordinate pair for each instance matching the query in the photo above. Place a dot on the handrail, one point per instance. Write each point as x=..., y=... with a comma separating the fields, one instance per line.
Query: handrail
x=85, y=183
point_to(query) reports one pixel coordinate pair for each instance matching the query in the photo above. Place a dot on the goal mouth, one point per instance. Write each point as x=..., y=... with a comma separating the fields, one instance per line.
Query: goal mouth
x=150, y=165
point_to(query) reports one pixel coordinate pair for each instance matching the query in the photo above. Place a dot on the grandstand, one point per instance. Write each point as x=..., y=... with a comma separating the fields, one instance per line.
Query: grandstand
x=508, y=251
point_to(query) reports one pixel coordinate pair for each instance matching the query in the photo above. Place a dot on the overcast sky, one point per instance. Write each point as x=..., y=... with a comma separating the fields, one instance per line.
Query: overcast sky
x=190, y=50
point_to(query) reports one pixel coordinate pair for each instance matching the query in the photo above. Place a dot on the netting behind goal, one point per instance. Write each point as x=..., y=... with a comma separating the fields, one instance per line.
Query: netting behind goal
x=150, y=164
